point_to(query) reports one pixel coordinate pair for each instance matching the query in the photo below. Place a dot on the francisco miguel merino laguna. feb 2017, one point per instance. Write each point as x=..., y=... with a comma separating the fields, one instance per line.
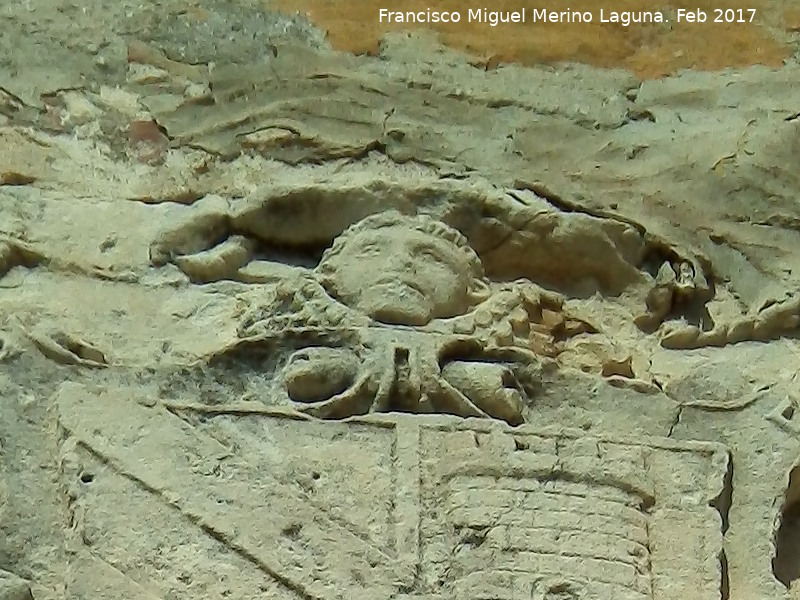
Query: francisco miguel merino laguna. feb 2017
x=543, y=15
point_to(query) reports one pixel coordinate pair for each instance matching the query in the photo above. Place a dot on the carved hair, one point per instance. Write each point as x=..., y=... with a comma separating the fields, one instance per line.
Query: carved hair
x=421, y=223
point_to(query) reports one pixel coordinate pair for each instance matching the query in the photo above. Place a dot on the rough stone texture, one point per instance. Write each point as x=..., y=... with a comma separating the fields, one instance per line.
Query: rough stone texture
x=279, y=322
x=13, y=587
x=423, y=509
x=650, y=49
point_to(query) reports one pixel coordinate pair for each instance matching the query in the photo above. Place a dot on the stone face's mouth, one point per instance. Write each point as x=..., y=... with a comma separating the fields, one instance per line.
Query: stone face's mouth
x=398, y=282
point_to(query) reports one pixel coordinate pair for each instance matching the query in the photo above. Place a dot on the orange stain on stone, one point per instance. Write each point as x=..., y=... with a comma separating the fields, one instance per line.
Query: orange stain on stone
x=648, y=49
x=791, y=17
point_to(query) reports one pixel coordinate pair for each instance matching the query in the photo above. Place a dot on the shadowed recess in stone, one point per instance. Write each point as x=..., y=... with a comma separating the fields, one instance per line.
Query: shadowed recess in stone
x=786, y=563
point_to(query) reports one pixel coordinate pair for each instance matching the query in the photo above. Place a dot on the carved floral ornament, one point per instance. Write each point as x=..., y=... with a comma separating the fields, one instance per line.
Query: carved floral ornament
x=399, y=316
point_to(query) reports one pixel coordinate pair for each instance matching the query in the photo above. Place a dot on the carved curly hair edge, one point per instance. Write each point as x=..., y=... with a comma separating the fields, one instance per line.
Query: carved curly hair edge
x=420, y=222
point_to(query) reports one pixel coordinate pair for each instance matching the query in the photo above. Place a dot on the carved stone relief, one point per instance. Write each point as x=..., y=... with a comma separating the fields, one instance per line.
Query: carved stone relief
x=394, y=327
x=384, y=389
x=389, y=507
x=537, y=243
x=399, y=316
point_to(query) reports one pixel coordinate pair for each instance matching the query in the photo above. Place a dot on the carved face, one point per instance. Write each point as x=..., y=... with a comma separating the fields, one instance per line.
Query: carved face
x=401, y=275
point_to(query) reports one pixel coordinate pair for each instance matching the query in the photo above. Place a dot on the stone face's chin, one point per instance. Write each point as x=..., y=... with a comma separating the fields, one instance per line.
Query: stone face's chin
x=393, y=315
x=396, y=303
x=396, y=310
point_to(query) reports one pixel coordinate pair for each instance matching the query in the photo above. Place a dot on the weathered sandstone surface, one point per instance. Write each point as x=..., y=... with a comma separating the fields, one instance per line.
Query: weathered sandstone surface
x=282, y=322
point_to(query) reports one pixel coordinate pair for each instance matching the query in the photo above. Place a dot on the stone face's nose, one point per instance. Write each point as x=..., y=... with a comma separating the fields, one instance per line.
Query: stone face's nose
x=402, y=254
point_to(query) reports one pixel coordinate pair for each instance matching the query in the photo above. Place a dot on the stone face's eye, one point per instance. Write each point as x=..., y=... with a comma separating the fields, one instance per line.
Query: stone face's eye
x=369, y=249
x=430, y=254
x=434, y=254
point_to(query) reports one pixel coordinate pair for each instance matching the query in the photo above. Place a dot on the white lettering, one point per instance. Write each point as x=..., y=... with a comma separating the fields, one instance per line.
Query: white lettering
x=625, y=18
x=495, y=17
x=564, y=16
x=426, y=16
